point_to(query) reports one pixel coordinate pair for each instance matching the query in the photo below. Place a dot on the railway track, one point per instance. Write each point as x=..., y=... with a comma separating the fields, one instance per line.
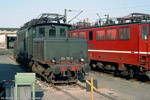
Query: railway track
x=77, y=85
x=98, y=92
x=59, y=89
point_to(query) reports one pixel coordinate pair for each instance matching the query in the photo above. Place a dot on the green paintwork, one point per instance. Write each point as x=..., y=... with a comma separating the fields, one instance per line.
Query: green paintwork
x=65, y=48
x=43, y=48
x=25, y=79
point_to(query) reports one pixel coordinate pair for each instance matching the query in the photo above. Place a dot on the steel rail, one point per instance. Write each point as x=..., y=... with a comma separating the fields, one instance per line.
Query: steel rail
x=98, y=92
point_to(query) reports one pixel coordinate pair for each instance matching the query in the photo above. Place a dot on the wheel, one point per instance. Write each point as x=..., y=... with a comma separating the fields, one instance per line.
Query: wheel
x=131, y=73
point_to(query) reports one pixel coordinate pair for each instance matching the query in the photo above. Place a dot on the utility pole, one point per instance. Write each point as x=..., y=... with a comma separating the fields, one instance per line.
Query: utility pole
x=65, y=16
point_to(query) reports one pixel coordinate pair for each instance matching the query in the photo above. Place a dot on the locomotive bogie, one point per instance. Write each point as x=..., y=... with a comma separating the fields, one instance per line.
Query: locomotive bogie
x=62, y=71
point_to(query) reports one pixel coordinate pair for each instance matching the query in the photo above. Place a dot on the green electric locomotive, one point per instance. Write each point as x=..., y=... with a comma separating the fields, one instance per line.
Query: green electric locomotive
x=43, y=45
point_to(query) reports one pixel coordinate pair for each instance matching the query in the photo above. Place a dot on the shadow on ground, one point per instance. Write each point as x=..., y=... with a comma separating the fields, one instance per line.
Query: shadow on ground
x=81, y=78
x=8, y=71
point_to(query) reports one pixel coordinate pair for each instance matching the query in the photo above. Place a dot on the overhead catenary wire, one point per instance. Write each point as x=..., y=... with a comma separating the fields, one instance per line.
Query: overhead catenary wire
x=75, y=16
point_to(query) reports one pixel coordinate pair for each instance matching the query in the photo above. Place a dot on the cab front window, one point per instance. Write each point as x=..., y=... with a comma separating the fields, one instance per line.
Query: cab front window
x=144, y=33
x=41, y=32
x=52, y=32
x=62, y=32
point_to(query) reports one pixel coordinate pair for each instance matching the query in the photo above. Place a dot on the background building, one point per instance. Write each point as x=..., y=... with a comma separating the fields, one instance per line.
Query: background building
x=7, y=37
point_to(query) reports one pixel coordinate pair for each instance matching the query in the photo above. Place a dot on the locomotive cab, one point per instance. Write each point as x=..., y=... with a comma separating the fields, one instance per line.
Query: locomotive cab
x=144, y=47
x=144, y=39
x=52, y=31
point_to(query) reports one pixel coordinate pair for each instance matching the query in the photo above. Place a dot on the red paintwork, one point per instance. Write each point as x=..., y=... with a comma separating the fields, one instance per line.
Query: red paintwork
x=64, y=68
x=43, y=62
x=65, y=62
x=49, y=62
x=73, y=68
x=119, y=51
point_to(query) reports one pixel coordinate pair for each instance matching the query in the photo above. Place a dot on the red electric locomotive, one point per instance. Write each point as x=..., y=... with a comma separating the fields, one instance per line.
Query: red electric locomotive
x=123, y=48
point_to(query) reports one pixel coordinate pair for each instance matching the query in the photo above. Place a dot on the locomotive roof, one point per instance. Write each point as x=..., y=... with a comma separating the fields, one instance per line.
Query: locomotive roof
x=46, y=19
x=59, y=24
x=123, y=24
x=133, y=18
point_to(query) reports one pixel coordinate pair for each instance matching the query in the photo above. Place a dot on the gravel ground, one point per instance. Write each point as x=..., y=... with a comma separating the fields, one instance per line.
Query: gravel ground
x=76, y=93
x=133, y=89
x=72, y=92
x=8, y=68
x=6, y=51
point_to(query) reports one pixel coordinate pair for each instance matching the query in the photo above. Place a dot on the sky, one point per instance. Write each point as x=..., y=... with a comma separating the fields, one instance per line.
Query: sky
x=14, y=13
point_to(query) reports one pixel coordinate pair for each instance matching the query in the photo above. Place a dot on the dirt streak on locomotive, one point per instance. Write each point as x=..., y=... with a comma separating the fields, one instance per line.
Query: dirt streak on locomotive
x=43, y=45
x=123, y=48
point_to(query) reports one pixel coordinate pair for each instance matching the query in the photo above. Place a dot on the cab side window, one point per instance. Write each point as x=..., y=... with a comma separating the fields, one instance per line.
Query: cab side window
x=52, y=32
x=149, y=30
x=41, y=32
x=62, y=32
x=144, y=33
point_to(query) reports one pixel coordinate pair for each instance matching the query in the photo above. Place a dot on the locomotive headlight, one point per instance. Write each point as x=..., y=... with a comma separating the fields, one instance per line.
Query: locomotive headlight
x=82, y=60
x=53, y=60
